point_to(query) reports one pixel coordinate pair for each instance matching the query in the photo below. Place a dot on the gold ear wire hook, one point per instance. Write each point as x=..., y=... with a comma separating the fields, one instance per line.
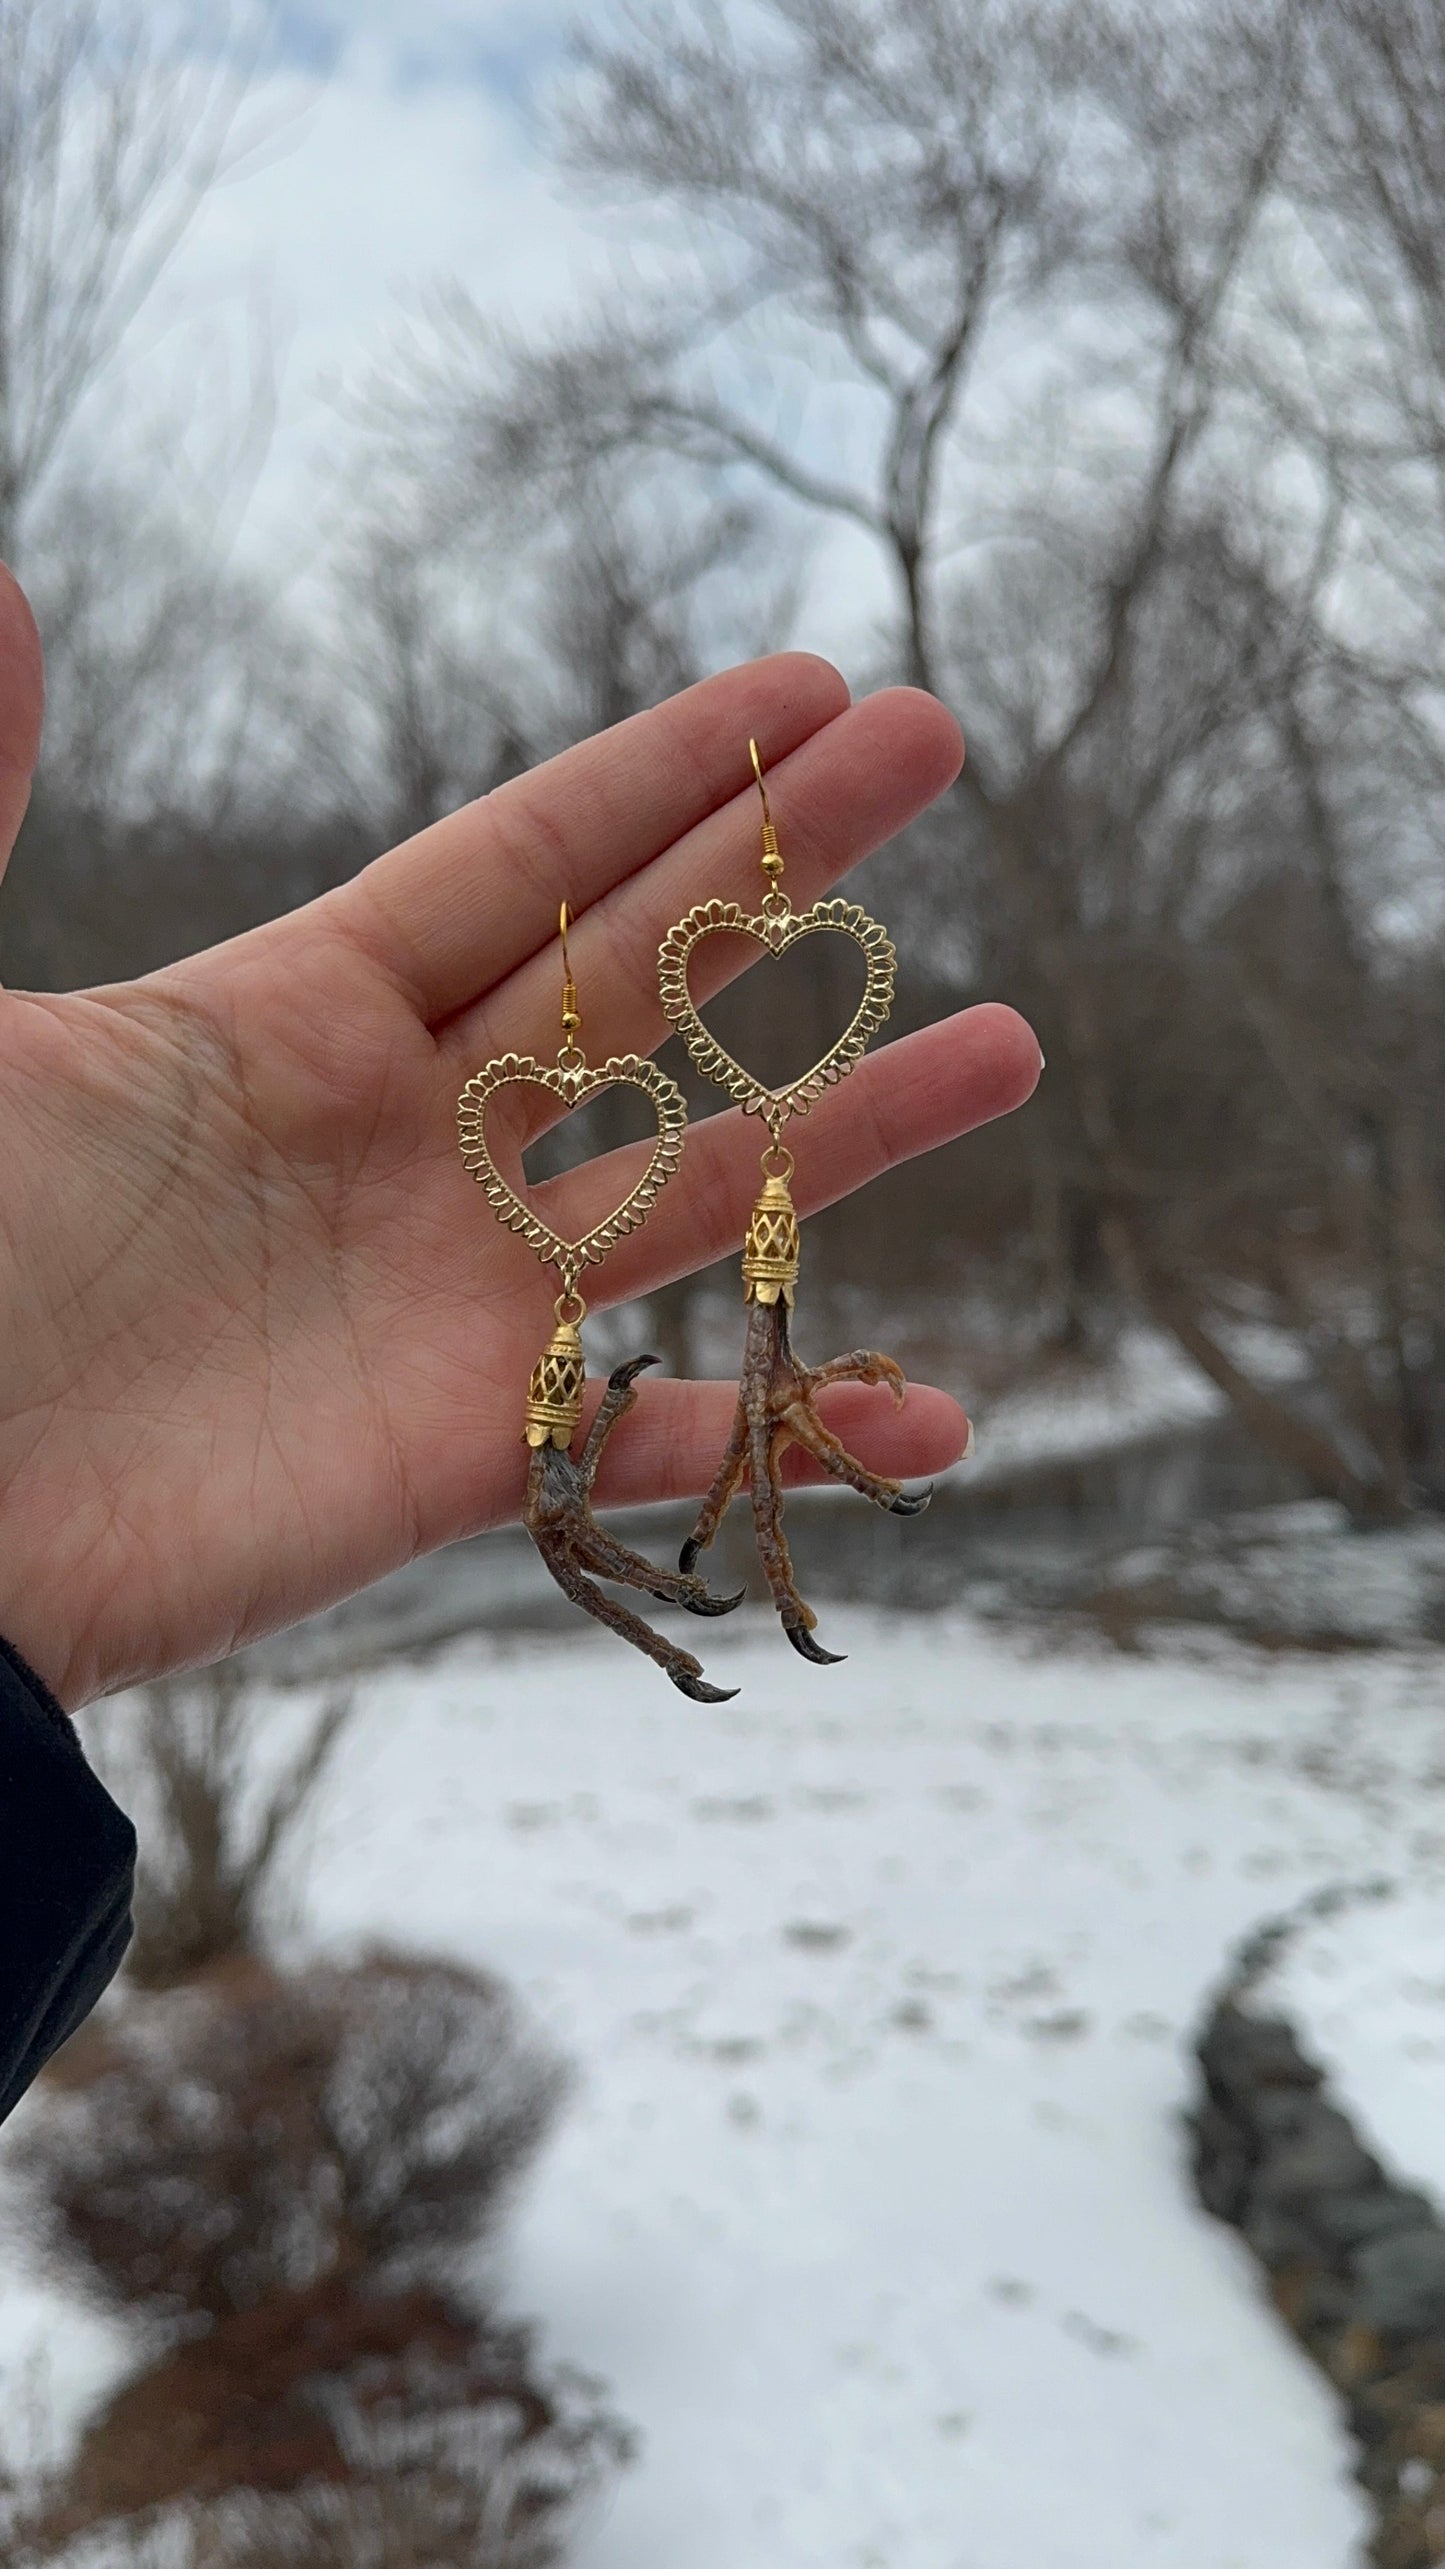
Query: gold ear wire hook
x=772, y=861
x=571, y=1013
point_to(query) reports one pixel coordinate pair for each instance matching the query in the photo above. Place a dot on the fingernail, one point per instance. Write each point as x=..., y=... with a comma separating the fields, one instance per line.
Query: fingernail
x=967, y=1455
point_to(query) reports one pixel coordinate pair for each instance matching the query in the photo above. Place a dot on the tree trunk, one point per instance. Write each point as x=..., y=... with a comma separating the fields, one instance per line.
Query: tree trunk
x=1291, y=1439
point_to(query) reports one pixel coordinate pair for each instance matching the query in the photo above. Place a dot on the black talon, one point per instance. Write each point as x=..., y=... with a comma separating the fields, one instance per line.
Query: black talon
x=910, y=1502
x=688, y=1555
x=619, y=1380
x=714, y=1605
x=700, y=1692
x=807, y=1648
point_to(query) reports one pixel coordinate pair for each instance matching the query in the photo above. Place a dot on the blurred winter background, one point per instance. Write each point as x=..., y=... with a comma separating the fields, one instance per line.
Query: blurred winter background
x=981, y=2105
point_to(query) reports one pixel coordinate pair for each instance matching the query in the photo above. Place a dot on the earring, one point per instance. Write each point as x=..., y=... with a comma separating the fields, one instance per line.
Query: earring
x=558, y=1510
x=777, y=1392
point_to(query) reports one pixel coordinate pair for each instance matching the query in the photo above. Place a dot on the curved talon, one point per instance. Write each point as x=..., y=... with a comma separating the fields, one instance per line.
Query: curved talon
x=708, y=1604
x=622, y=1377
x=700, y=1692
x=910, y=1502
x=687, y=1557
x=807, y=1648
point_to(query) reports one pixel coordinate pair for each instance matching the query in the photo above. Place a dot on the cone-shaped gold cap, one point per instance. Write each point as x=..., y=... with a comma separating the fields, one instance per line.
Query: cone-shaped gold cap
x=772, y=1249
x=554, y=1395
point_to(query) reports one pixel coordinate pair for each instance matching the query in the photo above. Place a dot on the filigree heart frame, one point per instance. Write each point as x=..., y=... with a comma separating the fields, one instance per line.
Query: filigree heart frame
x=573, y=1087
x=775, y=934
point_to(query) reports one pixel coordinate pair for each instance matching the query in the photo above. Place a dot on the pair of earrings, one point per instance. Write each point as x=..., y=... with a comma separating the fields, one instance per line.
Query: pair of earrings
x=777, y=1391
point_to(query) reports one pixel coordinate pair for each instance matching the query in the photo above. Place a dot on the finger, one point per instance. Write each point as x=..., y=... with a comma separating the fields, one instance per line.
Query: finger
x=853, y=785
x=461, y=905
x=22, y=703
x=911, y=1097
x=671, y=1442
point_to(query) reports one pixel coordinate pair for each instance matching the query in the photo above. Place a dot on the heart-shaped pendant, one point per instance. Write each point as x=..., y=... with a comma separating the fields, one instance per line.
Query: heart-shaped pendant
x=775, y=931
x=573, y=1086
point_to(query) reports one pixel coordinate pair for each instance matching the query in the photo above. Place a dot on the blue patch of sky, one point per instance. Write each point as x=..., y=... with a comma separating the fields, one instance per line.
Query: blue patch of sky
x=505, y=52
x=309, y=38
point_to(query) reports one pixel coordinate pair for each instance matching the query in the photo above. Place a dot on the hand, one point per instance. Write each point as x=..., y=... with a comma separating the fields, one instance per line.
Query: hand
x=260, y=1337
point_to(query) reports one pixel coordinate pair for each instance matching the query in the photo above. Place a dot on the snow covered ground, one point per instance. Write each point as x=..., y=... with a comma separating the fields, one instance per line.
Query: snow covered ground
x=870, y=2207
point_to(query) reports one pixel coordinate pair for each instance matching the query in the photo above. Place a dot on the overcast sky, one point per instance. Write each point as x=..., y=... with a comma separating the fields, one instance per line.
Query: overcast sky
x=404, y=148
x=400, y=150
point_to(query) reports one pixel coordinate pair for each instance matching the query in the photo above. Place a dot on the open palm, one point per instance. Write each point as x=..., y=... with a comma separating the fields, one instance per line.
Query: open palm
x=260, y=1339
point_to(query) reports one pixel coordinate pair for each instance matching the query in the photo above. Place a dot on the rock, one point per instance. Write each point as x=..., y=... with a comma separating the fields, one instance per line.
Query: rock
x=1401, y=2281
x=1240, y=2054
x=1323, y=2158
x=1222, y=2163
x=1427, y=2433
x=1355, y=2260
x=1280, y=2237
x=1278, y=2113
x=1348, y=2220
x=1355, y=2356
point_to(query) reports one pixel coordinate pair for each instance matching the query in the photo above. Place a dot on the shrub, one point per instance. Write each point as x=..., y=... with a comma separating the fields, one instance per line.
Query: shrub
x=330, y=2426
x=182, y=1757
x=286, y=2177
x=255, y=2134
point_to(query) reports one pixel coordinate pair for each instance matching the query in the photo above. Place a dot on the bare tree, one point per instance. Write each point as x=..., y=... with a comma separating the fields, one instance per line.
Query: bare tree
x=890, y=181
x=1054, y=264
x=110, y=138
x=180, y=797
x=172, y=742
x=215, y=1830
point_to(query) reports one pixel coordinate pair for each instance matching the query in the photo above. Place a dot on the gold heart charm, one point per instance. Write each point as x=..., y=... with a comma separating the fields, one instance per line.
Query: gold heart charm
x=573, y=1086
x=775, y=932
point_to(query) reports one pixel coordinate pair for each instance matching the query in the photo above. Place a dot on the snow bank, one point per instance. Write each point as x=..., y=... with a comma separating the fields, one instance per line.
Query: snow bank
x=873, y=2208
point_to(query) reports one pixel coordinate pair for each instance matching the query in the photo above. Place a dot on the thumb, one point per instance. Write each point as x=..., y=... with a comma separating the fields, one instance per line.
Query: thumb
x=22, y=702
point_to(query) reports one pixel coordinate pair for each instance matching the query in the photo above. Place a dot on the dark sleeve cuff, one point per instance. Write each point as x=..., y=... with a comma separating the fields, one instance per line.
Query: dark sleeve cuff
x=67, y=1875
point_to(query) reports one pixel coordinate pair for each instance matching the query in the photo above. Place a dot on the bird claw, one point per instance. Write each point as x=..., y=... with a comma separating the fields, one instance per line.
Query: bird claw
x=578, y=1551
x=700, y=1692
x=807, y=1648
x=707, y=1604
x=777, y=1407
x=622, y=1377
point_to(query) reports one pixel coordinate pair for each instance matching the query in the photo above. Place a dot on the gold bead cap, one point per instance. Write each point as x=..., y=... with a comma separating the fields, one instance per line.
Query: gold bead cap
x=554, y=1394
x=773, y=1248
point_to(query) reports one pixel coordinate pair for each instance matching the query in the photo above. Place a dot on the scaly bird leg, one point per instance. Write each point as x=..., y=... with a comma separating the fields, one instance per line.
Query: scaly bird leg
x=609, y=1559
x=765, y=1473
x=776, y=1408
x=726, y=1483
x=863, y=1366
x=795, y=1409
x=686, y=1672
x=605, y=1556
x=807, y=1429
x=619, y=1397
x=558, y=1516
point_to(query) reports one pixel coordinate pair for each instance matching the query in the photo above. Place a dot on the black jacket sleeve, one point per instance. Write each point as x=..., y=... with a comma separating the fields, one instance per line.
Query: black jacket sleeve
x=67, y=1870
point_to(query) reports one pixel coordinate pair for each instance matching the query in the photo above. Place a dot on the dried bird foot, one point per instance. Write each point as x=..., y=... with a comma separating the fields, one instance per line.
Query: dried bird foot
x=577, y=1550
x=776, y=1408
